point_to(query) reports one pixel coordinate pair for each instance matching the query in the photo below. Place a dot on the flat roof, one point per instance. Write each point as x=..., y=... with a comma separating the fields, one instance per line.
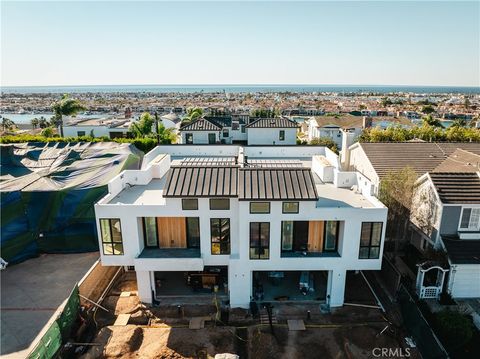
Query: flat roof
x=150, y=194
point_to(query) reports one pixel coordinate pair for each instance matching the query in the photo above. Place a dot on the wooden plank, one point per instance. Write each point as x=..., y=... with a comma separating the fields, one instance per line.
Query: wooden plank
x=122, y=320
x=196, y=323
x=295, y=324
x=172, y=232
x=315, y=236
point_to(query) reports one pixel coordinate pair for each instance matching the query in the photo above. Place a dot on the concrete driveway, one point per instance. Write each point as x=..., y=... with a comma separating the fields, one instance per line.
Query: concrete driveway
x=31, y=292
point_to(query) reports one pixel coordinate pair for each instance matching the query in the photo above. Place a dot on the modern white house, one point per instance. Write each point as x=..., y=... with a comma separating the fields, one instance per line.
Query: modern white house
x=244, y=223
x=272, y=131
x=240, y=129
x=97, y=127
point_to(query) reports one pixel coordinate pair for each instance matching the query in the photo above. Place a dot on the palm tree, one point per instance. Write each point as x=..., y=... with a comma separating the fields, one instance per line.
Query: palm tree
x=192, y=114
x=459, y=123
x=35, y=122
x=429, y=120
x=143, y=127
x=43, y=122
x=66, y=106
x=7, y=124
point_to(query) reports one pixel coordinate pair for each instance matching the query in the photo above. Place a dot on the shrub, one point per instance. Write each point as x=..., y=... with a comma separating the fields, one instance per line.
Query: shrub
x=143, y=144
x=455, y=329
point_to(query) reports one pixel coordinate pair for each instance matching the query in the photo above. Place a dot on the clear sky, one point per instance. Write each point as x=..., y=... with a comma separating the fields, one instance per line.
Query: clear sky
x=368, y=43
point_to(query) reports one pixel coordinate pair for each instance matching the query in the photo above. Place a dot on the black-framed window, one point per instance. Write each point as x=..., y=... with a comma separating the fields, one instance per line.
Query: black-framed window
x=259, y=207
x=235, y=125
x=189, y=138
x=80, y=133
x=370, y=239
x=330, y=238
x=242, y=128
x=219, y=203
x=220, y=235
x=290, y=207
x=112, y=243
x=193, y=232
x=150, y=232
x=259, y=240
x=225, y=133
x=189, y=204
x=281, y=135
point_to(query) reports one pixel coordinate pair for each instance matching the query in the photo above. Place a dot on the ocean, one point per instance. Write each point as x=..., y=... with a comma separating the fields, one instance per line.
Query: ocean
x=237, y=89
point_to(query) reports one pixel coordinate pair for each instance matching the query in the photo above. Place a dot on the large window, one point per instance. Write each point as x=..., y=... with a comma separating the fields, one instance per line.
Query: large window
x=219, y=203
x=189, y=138
x=193, y=232
x=150, y=231
x=290, y=207
x=111, y=236
x=370, y=239
x=220, y=235
x=310, y=236
x=331, y=236
x=470, y=219
x=259, y=240
x=189, y=204
x=259, y=207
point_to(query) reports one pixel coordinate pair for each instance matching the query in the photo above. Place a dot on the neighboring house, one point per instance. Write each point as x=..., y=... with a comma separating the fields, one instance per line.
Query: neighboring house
x=215, y=129
x=241, y=223
x=446, y=215
x=97, y=127
x=171, y=120
x=200, y=132
x=272, y=131
x=375, y=160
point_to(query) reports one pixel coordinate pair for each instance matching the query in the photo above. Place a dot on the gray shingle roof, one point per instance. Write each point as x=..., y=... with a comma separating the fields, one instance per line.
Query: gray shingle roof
x=276, y=184
x=201, y=124
x=462, y=251
x=272, y=123
x=457, y=188
x=421, y=156
x=201, y=182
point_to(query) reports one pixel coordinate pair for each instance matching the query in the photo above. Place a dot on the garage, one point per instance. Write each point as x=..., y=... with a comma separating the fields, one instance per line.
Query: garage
x=465, y=281
x=212, y=280
x=289, y=285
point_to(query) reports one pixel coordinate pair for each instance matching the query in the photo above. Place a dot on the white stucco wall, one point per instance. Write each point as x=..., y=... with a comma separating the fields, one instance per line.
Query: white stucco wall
x=199, y=137
x=270, y=136
x=98, y=131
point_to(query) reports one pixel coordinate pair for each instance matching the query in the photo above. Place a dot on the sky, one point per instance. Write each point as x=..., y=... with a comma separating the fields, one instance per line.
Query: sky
x=127, y=43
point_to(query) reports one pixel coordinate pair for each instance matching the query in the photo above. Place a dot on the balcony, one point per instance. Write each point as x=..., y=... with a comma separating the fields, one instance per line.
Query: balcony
x=170, y=253
x=310, y=255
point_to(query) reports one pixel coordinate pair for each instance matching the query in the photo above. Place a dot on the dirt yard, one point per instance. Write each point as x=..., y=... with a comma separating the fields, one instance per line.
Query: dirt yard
x=343, y=342
x=162, y=331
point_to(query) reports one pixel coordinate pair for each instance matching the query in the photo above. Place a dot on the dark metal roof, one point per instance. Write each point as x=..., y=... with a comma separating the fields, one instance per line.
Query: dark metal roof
x=462, y=251
x=276, y=184
x=272, y=123
x=457, y=188
x=201, y=182
x=421, y=156
x=201, y=124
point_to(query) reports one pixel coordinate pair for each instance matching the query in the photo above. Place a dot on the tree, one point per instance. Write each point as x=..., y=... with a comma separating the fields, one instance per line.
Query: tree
x=7, y=124
x=428, y=109
x=429, y=120
x=43, y=122
x=34, y=121
x=193, y=113
x=66, y=106
x=143, y=127
x=396, y=193
x=47, y=132
x=324, y=141
x=460, y=122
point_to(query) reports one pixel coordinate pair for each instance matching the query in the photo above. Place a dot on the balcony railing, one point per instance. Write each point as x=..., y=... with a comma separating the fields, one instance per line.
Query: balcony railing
x=170, y=253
